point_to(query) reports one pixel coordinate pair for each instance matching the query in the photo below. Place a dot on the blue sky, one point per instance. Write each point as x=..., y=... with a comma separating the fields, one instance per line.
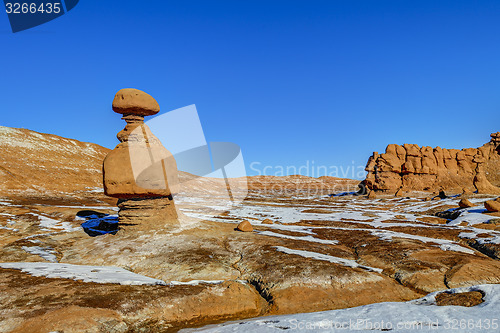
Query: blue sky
x=289, y=81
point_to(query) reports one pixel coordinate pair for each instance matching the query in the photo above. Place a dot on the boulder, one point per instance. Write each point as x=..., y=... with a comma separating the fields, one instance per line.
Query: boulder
x=245, y=226
x=136, y=102
x=465, y=203
x=492, y=206
x=470, y=298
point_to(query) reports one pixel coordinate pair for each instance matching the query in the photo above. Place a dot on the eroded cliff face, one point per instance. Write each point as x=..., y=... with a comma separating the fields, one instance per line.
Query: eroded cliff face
x=413, y=168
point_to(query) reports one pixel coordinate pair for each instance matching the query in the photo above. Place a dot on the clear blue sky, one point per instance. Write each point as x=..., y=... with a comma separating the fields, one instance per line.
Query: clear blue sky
x=289, y=81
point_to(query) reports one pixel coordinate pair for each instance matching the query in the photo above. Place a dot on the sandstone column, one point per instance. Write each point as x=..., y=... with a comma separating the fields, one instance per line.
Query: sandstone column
x=484, y=153
x=140, y=172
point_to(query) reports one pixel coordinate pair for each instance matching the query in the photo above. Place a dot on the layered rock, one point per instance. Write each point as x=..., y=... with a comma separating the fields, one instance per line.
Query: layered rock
x=413, y=168
x=140, y=172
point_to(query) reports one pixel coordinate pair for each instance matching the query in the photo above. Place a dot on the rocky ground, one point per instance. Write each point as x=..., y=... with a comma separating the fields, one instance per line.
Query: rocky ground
x=309, y=251
x=426, y=314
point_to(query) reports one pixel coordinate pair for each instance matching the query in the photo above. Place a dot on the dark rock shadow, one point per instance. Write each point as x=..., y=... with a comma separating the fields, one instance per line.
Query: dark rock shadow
x=98, y=223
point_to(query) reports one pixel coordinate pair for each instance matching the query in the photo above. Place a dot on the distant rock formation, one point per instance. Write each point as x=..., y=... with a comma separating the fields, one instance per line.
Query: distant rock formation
x=413, y=168
x=140, y=172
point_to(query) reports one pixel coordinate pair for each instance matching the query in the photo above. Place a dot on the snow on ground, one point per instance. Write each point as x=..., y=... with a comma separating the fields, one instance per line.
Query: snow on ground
x=8, y=203
x=472, y=216
x=325, y=257
x=98, y=274
x=356, y=211
x=7, y=228
x=303, y=238
x=95, y=189
x=194, y=282
x=444, y=244
x=46, y=253
x=494, y=239
x=421, y=315
x=379, y=214
x=49, y=224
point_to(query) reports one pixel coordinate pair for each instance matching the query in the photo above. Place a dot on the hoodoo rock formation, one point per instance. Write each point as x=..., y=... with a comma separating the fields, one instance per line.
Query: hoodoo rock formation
x=140, y=172
x=413, y=168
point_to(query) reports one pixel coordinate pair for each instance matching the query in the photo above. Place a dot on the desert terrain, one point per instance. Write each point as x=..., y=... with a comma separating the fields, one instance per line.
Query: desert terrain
x=316, y=245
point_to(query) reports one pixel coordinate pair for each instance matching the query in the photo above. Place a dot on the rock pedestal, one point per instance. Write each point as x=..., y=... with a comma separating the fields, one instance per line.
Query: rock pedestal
x=145, y=211
x=140, y=172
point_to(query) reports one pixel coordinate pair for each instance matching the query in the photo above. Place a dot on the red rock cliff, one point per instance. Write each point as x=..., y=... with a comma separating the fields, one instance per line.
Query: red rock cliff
x=413, y=168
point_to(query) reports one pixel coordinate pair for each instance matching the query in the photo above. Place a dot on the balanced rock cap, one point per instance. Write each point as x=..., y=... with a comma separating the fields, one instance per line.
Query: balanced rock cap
x=136, y=102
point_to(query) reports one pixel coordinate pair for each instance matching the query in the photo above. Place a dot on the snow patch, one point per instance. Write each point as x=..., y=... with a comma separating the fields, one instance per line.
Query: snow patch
x=303, y=238
x=47, y=224
x=46, y=253
x=97, y=274
x=444, y=244
x=194, y=282
x=325, y=257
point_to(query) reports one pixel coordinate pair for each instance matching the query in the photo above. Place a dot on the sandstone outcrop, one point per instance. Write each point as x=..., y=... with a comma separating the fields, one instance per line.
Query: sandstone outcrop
x=413, y=168
x=140, y=172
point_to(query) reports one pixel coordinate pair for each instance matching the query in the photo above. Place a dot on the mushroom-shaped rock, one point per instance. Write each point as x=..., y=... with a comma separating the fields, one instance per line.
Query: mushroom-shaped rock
x=130, y=101
x=245, y=226
x=140, y=171
x=267, y=221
